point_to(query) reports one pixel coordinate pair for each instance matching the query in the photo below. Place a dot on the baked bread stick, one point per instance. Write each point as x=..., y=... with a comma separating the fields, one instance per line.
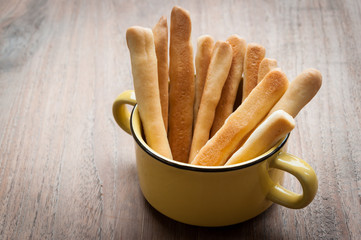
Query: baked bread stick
x=246, y=117
x=181, y=94
x=145, y=77
x=301, y=90
x=230, y=88
x=265, y=136
x=203, y=57
x=254, y=55
x=216, y=76
x=160, y=32
x=298, y=94
x=266, y=65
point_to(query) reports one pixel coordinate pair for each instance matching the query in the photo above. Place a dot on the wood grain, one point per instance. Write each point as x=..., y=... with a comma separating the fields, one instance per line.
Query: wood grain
x=67, y=171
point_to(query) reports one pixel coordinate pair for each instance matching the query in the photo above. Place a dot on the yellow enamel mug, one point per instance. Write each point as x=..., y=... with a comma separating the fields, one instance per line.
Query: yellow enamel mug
x=214, y=196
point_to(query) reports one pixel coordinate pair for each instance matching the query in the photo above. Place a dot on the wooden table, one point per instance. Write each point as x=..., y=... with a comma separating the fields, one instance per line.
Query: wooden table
x=67, y=171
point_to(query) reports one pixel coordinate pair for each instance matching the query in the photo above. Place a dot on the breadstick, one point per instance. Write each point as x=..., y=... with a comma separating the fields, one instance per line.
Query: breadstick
x=230, y=88
x=203, y=57
x=160, y=32
x=265, y=136
x=216, y=76
x=301, y=90
x=219, y=148
x=266, y=65
x=145, y=77
x=298, y=94
x=254, y=55
x=181, y=94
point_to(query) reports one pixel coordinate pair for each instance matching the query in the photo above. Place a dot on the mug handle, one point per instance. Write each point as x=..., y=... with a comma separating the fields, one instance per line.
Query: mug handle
x=120, y=111
x=305, y=175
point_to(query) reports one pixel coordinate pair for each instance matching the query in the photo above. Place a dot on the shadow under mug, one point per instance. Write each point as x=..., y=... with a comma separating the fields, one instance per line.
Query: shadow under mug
x=214, y=196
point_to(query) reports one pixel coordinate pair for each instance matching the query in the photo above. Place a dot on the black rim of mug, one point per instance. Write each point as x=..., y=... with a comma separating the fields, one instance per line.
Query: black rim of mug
x=190, y=167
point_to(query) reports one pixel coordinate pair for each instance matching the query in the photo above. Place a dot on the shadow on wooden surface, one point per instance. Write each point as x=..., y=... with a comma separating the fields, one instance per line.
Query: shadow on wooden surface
x=245, y=229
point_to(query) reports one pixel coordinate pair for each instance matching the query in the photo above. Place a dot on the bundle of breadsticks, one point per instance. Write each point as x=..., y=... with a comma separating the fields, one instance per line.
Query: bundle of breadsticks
x=187, y=107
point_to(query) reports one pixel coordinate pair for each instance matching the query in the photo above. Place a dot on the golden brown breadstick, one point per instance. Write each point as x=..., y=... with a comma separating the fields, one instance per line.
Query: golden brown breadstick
x=266, y=65
x=301, y=90
x=181, y=94
x=203, y=57
x=256, y=106
x=254, y=55
x=265, y=136
x=216, y=76
x=145, y=77
x=160, y=32
x=230, y=88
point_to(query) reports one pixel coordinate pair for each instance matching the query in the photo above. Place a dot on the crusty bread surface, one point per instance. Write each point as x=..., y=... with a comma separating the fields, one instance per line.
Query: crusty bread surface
x=301, y=90
x=264, y=137
x=203, y=57
x=181, y=92
x=230, y=88
x=253, y=57
x=266, y=65
x=246, y=117
x=140, y=42
x=216, y=76
x=160, y=32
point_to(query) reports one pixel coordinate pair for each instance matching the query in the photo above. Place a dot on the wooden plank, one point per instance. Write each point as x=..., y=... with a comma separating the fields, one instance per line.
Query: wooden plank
x=67, y=171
